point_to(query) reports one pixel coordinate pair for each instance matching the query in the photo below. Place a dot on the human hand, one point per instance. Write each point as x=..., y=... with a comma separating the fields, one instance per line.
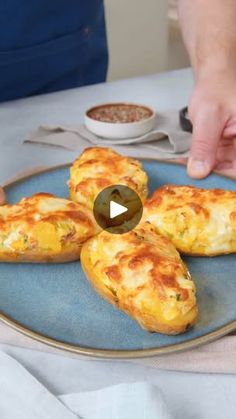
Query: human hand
x=2, y=196
x=212, y=110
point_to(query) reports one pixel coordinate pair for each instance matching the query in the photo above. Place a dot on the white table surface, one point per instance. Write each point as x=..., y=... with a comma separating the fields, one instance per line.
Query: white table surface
x=192, y=396
x=18, y=118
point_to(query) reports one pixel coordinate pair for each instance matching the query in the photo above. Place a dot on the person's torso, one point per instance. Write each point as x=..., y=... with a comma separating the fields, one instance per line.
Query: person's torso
x=50, y=45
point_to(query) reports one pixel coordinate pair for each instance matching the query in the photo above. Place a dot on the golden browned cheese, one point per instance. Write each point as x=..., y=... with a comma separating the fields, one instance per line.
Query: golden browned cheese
x=97, y=168
x=142, y=274
x=198, y=221
x=43, y=228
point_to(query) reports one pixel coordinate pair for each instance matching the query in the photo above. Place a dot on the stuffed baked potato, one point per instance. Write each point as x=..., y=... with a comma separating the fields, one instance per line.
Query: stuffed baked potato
x=142, y=274
x=97, y=168
x=198, y=221
x=43, y=228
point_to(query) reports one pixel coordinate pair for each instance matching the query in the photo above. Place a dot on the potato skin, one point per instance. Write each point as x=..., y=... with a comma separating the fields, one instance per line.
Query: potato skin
x=142, y=274
x=200, y=222
x=97, y=168
x=43, y=228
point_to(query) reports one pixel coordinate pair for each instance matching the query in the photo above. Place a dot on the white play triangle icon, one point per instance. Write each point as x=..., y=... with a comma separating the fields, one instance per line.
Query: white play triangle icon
x=116, y=209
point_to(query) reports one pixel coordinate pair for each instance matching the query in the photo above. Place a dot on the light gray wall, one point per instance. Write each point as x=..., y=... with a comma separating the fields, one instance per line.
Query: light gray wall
x=137, y=37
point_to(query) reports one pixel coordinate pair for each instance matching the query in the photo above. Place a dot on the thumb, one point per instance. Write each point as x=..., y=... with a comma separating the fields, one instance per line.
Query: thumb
x=208, y=125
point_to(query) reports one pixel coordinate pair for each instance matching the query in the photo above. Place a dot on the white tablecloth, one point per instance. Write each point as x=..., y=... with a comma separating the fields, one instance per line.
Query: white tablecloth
x=189, y=395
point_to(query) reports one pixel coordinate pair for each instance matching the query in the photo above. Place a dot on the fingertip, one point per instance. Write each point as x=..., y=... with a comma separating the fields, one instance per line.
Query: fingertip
x=198, y=169
x=2, y=196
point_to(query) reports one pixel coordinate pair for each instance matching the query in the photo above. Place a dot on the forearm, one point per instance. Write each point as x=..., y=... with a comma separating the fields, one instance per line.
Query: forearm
x=209, y=32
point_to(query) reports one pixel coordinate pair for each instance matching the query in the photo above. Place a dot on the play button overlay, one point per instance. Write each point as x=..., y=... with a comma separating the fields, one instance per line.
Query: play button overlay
x=118, y=209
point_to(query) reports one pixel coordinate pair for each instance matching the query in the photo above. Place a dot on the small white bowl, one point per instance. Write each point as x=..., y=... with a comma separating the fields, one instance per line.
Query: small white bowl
x=118, y=129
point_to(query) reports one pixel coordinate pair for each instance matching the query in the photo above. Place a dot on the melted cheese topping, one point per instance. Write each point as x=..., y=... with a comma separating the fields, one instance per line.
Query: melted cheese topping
x=97, y=168
x=198, y=221
x=142, y=273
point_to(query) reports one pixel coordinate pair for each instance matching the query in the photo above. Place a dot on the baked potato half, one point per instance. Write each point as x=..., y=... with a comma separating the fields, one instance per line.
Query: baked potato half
x=142, y=274
x=43, y=228
x=97, y=168
x=198, y=221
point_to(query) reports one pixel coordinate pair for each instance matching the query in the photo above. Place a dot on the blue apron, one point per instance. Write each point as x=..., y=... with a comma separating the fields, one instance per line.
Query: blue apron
x=49, y=45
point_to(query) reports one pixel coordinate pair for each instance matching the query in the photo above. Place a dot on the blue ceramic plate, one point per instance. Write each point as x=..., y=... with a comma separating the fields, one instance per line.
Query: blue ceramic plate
x=57, y=305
